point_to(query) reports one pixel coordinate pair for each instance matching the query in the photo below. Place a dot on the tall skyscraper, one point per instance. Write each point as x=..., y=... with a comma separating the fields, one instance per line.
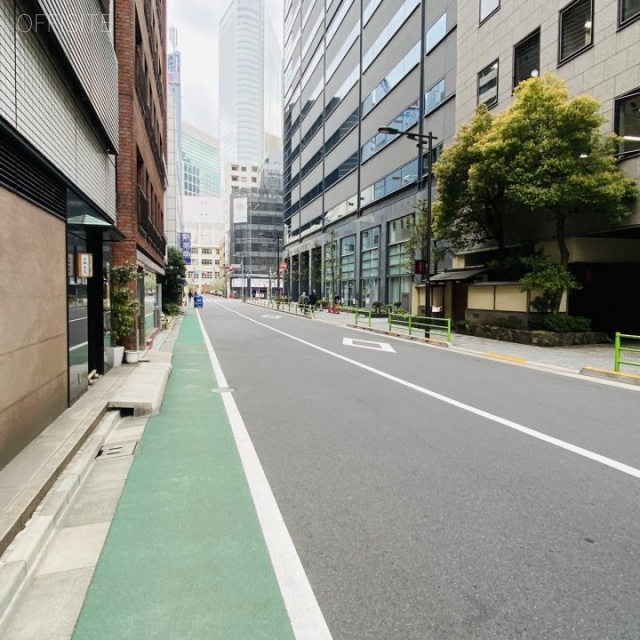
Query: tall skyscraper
x=249, y=82
x=200, y=162
x=174, y=208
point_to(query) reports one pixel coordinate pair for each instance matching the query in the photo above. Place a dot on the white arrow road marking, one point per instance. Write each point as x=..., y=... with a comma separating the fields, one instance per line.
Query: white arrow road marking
x=368, y=344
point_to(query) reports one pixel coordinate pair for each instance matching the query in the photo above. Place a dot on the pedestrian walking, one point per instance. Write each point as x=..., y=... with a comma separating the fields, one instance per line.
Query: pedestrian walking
x=303, y=301
x=313, y=300
x=190, y=296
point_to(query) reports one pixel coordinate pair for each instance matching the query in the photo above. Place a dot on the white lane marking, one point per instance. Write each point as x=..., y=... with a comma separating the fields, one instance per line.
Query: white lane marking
x=306, y=618
x=368, y=344
x=271, y=316
x=585, y=453
x=78, y=346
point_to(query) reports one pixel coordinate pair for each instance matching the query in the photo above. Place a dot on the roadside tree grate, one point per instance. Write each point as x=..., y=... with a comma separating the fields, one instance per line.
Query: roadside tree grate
x=119, y=450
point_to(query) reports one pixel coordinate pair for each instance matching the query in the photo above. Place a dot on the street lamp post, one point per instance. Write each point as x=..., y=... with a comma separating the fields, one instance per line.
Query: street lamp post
x=278, y=267
x=420, y=139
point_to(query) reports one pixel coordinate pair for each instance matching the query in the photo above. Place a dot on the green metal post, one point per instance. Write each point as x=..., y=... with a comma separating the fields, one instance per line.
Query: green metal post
x=409, y=325
x=357, y=310
x=448, y=329
x=616, y=366
x=390, y=322
x=369, y=318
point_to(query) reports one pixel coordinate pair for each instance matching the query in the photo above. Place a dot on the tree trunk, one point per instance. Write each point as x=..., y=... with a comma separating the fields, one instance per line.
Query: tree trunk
x=562, y=242
x=564, y=255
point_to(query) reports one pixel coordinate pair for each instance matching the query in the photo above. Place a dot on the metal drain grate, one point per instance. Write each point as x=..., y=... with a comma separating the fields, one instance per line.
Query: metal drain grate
x=117, y=450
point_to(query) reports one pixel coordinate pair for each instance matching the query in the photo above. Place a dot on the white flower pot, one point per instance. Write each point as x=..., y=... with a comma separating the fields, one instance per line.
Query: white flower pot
x=114, y=355
x=131, y=357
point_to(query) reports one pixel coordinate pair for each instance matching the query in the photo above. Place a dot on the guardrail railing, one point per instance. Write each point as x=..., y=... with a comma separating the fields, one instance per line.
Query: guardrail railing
x=621, y=349
x=427, y=326
x=290, y=307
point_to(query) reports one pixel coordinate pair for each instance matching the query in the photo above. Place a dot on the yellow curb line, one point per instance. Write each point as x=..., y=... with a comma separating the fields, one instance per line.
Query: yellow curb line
x=499, y=356
x=615, y=373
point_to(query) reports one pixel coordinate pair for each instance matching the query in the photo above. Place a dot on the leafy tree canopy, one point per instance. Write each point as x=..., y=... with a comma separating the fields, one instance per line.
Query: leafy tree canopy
x=471, y=205
x=554, y=157
x=546, y=153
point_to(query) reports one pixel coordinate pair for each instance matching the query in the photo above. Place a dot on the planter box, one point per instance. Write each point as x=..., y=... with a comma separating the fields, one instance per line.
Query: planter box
x=536, y=338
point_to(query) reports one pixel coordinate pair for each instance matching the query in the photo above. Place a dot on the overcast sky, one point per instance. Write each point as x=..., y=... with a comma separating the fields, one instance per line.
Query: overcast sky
x=197, y=24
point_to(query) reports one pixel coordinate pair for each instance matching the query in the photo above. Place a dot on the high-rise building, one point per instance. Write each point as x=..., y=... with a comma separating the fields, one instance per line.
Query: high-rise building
x=249, y=83
x=200, y=162
x=350, y=191
x=140, y=43
x=58, y=144
x=173, y=201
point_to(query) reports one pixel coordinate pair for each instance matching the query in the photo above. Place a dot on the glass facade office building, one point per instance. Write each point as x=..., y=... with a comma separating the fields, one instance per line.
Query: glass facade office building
x=353, y=67
x=200, y=163
x=349, y=191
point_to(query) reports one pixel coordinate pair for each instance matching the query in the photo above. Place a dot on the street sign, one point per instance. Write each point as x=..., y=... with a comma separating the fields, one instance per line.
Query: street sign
x=184, y=240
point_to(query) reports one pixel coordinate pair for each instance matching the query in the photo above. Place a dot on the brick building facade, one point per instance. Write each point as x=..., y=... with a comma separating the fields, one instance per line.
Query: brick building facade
x=142, y=175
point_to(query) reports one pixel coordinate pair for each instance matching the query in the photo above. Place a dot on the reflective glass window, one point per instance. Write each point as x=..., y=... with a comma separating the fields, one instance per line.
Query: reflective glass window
x=487, y=7
x=576, y=28
x=526, y=59
x=488, y=85
x=627, y=122
x=436, y=33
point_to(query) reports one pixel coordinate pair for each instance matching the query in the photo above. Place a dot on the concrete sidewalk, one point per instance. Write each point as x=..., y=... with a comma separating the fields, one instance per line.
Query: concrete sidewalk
x=32, y=474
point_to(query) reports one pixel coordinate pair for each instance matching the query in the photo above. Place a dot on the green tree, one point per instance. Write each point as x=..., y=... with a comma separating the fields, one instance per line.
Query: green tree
x=549, y=280
x=173, y=280
x=471, y=206
x=555, y=159
x=123, y=304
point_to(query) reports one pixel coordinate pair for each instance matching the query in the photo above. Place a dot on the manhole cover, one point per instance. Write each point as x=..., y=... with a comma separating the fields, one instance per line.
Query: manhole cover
x=223, y=390
x=116, y=450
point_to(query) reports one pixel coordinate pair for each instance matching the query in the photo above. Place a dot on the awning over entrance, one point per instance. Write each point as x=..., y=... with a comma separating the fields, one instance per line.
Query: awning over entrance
x=88, y=220
x=457, y=274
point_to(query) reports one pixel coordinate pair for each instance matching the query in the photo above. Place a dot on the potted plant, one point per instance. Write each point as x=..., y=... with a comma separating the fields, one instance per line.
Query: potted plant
x=124, y=309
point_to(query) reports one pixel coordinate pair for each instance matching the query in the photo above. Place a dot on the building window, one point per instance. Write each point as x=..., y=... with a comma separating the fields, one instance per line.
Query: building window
x=526, y=59
x=488, y=85
x=434, y=97
x=436, y=33
x=629, y=10
x=627, y=122
x=576, y=28
x=487, y=7
x=400, y=230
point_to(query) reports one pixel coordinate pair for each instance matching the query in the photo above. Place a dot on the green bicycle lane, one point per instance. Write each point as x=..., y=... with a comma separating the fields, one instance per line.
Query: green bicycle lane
x=185, y=556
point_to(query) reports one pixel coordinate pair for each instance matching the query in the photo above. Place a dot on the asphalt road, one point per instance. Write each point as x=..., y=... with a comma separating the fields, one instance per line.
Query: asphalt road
x=436, y=495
